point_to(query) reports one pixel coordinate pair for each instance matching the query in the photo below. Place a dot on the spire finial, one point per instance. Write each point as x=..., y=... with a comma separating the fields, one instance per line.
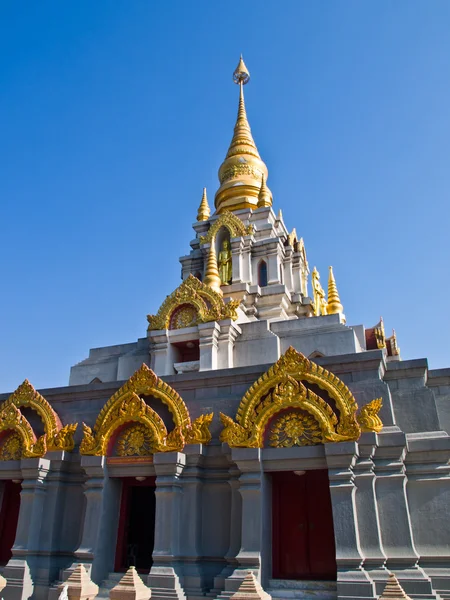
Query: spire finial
x=334, y=305
x=264, y=197
x=212, y=277
x=241, y=74
x=241, y=171
x=203, y=210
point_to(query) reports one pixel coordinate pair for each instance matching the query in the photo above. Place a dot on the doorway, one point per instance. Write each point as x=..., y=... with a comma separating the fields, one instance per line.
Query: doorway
x=9, y=516
x=302, y=526
x=136, y=533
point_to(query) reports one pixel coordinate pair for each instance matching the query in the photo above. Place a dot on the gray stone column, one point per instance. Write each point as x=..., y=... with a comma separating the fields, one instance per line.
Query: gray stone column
x=393, y=510
x=191, y=519
x=352, y=580
x=254, y=498
x=428, y=492
x=162, y=356
x=229, y=331
x=165, y=572
x=287, y=267
x=247, y=275
x=98, y=544
x=367, y=511
x=209, y=336
x=23, y=568
x=237, y=246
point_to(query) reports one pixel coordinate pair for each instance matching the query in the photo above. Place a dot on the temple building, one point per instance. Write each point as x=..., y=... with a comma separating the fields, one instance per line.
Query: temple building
x=252, y=427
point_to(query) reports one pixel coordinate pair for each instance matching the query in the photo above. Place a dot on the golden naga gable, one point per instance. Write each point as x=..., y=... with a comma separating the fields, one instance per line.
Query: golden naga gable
x=191, y=303
x=18, y=439
x=281, y=409
x=136, y=427
x=231, y=222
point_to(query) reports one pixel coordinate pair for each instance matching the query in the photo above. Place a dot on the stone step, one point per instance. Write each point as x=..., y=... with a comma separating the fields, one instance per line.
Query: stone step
x=302, y=590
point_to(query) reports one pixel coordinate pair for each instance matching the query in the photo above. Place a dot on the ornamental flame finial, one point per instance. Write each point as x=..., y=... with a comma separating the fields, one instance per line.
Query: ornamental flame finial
x=334, y=305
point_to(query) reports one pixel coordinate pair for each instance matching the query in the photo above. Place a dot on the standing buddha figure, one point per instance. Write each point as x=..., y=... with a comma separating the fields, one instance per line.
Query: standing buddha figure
x=225, y=263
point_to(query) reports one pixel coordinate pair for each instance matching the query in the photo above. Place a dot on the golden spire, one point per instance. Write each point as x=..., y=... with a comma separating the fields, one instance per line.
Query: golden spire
x=334, y=305
x=203, y=209
x=242, y=170
x=212, y=272
x=264, y=197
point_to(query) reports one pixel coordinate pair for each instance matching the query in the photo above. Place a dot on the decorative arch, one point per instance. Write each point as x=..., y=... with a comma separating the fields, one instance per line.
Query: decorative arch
x=12, y=420
x=126, y=406
x=281, y=390
x=208, y=306
x=231, y=222
x=56, y=437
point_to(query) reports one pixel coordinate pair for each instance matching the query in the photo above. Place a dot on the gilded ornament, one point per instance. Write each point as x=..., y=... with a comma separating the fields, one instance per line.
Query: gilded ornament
x=320, y=302
x=334, y=305
x=282, y=388
x=127, y=407
x=208, y=304
x=135, y=441
x=225, y=263
x=56, y=437
x=230, y=221
x=295, y=429
x=203, y=210
x=380, y=335
x=368, y=416
x=12, y=447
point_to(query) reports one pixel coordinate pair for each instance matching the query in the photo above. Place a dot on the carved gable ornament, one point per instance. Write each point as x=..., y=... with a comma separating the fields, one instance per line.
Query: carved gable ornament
x=281, y=409
x=191, y=303
x=17, y=437
x=230, y=221
x=138, y=429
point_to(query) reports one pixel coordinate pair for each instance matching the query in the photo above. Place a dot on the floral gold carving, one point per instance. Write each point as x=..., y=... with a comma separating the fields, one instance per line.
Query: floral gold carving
x=238, y=170
x=197, y=298
x=56, y=437
x=12, y=447
x=135, y=441
x=281, y=388
x=231, y=222
x=297, y=428
x=127, y=407
x=368, y=416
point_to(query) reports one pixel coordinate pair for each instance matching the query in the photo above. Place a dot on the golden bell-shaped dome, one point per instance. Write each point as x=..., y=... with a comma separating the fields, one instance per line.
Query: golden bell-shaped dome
x=242, y=171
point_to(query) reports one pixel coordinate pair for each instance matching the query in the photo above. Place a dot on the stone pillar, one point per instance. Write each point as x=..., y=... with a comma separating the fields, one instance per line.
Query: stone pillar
x=162, y=358
x=247, y=275
x=237, y=246
x=98, y=544
x=164, y=574
x=191, y=519
x=273, y=272
x=352, y=580
x=287, y=267
x=393, y=510
x=229, y=331
x=22, y=571
x=209, y=336
x=296, y=273
x=428, y=492
x=235, y=527
x=367, y=511
x=254, y=499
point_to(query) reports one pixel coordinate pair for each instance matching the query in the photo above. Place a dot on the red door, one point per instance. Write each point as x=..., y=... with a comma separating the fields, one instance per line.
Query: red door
x=302, y=526
x=9, y=515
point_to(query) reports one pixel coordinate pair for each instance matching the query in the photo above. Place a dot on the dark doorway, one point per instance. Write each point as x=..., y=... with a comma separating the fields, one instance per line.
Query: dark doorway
x=302, y=526
x=136, y=534
x=9, y=515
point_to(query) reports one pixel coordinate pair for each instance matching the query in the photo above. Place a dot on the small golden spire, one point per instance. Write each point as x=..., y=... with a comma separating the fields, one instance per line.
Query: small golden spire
x=212, y=272
x=241, y=171
x=265, y=197
x=334, y=305
x=203, y=209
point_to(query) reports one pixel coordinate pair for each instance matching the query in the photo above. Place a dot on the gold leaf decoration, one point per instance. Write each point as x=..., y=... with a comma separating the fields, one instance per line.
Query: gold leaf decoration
x=281, y=388
x=368, y=416
x=191, y=303
x=135, y=441
x=230, y=221
x=126, y=407
x=295, y=429
x=11, y=447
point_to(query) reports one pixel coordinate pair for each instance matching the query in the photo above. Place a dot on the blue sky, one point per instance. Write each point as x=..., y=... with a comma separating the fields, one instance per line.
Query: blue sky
x=114, y=115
